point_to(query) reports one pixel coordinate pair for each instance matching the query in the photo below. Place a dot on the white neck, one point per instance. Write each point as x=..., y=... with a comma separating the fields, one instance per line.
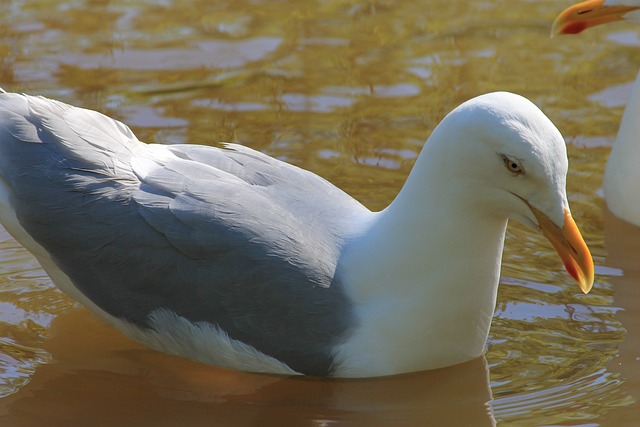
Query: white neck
x=414, y=314
x=622, y=174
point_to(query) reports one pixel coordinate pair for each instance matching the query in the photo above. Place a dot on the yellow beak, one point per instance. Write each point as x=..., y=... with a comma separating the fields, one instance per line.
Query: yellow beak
x=581, y=16
x=571, y=248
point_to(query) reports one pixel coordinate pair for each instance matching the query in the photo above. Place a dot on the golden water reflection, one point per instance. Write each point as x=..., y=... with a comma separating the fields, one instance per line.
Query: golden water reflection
x=349, y=89
x=133, y=386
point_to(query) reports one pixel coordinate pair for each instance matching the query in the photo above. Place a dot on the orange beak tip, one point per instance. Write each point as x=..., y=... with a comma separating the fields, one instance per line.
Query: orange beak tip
x=571, y=248
x=575, y=254
x=577, y=18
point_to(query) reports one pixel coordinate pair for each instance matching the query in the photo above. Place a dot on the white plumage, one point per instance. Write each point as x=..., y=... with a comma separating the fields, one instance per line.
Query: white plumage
x=231, y=257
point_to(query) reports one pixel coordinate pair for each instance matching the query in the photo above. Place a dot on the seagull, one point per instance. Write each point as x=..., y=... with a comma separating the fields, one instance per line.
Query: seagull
x=230, y=257
x=622, y=175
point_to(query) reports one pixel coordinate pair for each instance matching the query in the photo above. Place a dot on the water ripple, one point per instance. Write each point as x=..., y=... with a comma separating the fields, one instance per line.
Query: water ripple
x=567, y=400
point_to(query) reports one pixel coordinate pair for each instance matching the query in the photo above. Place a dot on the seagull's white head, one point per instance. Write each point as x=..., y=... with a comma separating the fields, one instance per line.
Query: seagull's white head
x=514, y=161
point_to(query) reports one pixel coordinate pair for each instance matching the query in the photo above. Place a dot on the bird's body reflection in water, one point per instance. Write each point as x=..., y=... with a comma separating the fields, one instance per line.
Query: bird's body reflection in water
x=111, y=380
x=622, y=241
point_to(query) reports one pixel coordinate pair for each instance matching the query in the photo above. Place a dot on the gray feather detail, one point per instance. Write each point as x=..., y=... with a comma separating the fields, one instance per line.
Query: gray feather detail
x=227, y=236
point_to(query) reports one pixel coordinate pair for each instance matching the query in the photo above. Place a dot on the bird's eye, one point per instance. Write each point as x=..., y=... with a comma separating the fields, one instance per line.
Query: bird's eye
x=513, y=165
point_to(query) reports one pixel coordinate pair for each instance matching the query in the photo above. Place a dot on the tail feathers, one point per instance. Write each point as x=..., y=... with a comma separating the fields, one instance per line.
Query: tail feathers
x=77, y=134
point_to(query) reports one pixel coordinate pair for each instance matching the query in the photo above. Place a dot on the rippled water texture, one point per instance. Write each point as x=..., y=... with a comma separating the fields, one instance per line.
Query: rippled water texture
x=349, y=89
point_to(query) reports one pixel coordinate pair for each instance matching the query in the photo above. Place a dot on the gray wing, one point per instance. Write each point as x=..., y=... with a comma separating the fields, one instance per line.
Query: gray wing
x=227, y=236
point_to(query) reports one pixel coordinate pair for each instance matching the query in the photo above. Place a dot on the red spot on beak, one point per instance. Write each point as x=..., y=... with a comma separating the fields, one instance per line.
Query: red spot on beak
x=572, y=271
x=574, y=27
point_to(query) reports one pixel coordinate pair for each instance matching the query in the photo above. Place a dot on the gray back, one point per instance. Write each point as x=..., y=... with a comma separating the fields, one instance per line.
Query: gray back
x=227, y=236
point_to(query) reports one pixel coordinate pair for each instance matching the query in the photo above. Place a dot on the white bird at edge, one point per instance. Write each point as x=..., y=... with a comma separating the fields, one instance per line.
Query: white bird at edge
x=622, y=174
x=233, y=258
